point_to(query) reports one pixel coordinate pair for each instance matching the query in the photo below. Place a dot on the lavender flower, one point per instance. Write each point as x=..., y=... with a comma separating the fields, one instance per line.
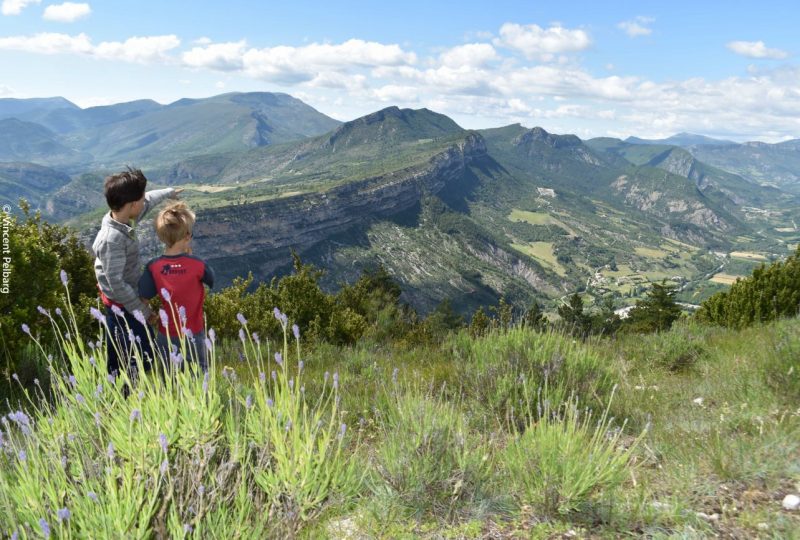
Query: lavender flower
x=326, y=376
x=63, y=514
x=99, y=390
x=164, y=466
x=72, y=381
x=139, y=316
x=94, y=312
x=23, y=457
x=26, y=329
x=241, y=319
x=188, y=333
x=162, y=439
x=248, y=402
x=164, y=318
x=67, y=336
x=279, y=359
x=242, y=335
x=91, y=345
x=92, y=361
x=300, y=365
x=43, y=311
x=256, y=338
x=182, y=314
x=176, y=359
x=45, y=528
x=205, y=383
x=80, y=399
x=291, y=383
x=58, y=312
x=131, y=336
x=262, y=377
x=92, y=495
x=165, y=295
x=70, y=437
x=288, y=424
x=97, y=419
x=270, y=403
x=110, y=451
x=207, y=343
x=15, y=535
x=136, y=414
x=187, y=528
x=342, y=430
x=274, y=375
x=117, y=311
x=111, y=378
x=296, y=331
x=64, y=278
x=212, y=334
x=201, y=490
x=336, y=380
x=395, y=371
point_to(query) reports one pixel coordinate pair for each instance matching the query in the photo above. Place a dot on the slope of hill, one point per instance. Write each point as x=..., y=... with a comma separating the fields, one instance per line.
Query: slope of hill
x=33, y=182
x=682, y=139
x=769, y=164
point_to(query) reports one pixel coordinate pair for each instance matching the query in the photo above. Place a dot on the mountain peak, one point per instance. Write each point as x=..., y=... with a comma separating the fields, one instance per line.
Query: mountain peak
x=538, y=135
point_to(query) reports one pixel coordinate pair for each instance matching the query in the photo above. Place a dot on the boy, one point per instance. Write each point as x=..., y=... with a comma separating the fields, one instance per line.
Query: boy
x=116, y=266
x=178, y=278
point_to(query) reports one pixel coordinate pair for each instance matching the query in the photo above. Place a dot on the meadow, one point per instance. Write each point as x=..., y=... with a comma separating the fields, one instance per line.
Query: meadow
x=688, y=433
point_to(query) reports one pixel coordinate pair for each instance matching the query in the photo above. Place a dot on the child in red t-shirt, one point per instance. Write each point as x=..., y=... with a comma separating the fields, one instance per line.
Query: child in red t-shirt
x=178, y=277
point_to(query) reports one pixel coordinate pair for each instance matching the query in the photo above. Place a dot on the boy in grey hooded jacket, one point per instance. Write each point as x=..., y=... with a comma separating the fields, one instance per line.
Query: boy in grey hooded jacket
x=117, y=266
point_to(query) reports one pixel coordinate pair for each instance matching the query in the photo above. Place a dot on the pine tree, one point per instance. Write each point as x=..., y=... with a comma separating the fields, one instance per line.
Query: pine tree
x=657, y=311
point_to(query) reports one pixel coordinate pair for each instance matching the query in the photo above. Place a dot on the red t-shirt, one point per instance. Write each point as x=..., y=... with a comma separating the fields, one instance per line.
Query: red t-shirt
x=182, y=276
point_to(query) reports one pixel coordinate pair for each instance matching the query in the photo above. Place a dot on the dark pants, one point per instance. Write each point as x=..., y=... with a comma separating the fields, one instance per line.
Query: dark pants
x=119, y=343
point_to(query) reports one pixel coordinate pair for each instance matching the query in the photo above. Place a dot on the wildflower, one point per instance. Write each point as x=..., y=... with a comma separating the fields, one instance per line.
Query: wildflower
x=207, y=343
x=91, y=345
x=67, y=336
x=241, y=356
x=256, y=338
x=58, y=312
x=63, y=462
x=80, y=399
x=242, y=335
x=291, y=383
x=205, y=383
x=212, y=335
x=300, y=365
x=288, y=424
x=326, y=376
x=182, y=314
x=64, y=278
x=15, y=535
x=92, y=361
x=187, y=528
x=164, y=466
x=111, y=378
x=201, y=490
x=342, y=430
x=270, y=403
x=139, y=316
x=26, y=328
x=23, y=457
x=94, y=312
x=99, y=390
x=110, y=451
x=296, y=331
x=136, y=414
x=45, y=528
x=15, y=377
x=164, y=318
x=698, y=401
x=131, y=336
x=117, y=311
x=278, y=359
x=63, y=514
x=72, y=381
x=162, y=439
x=70, y=437
x=262, y=377
x=43, y=311
x=274, y=375
x=395, y=371
x=176, y=358
x=241, y=319
x=248, y=402
x=92, y=495
x=336, y=380
x=165, y=295
x=97, y=419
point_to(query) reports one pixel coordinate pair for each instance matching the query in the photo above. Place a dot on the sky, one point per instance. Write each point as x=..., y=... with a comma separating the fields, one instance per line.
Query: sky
x=727, y=69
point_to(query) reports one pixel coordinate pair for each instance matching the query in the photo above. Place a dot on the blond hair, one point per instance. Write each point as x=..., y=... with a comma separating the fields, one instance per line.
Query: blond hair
x=174, y=222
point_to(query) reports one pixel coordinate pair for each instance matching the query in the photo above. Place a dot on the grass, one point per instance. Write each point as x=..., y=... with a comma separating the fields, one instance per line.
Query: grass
x=538, y=218
x=650, y=252
x=542, y=252
x=515, y=434
x=748, y=255
x=725, y=279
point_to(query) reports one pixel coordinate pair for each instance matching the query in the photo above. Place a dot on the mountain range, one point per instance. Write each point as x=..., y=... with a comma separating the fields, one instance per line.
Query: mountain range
x=469, y=215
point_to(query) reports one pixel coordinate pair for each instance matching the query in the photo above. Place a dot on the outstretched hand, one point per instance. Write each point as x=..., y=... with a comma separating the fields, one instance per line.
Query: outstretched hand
x=176, y=194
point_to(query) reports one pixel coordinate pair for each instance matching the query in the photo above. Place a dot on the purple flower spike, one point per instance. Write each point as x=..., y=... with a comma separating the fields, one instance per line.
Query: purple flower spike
x=270, y=403
x=326, y=376
x=162, y=440
x=92, y=495
x=63, y=514
x=188, y=333
x=43, y=311
x=92, y=361
x=97, y=315
x=164, y=466
x=256, y=338
x=182, y=314
x=64, y=278
x=165, y=295
x=26, y=328
x=342, y=430
x=45, y=528
x=208, y=344
x=262, y=377
x=139, y=316
x=296, y=331
x=274, y=375
x=205, y=383
x=248, y=402
x=58, y=312
x=22, y=456
x=164, y=317
x=117, y=311
x=300, y=365
x=97, y=419
x=336, y=379
x=212, y=335
x=395, y=371
x=241, y=319
x=110, y=451
x=278, y=359
x=80, y=399
x=136, y=414
x=242, y=335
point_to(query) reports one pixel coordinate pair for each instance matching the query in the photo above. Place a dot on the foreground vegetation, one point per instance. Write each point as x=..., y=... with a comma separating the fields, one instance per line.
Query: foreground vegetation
x=690, y=432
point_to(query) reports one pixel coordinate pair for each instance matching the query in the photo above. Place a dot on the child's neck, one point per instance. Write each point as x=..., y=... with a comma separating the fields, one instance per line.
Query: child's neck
x=121, y=216
x=175, y=250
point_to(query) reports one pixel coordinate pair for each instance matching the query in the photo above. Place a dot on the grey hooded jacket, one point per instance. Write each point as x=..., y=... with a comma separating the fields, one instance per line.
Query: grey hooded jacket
x=116, y=249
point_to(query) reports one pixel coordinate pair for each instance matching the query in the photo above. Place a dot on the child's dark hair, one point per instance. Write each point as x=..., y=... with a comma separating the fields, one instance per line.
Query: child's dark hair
x=124, y=187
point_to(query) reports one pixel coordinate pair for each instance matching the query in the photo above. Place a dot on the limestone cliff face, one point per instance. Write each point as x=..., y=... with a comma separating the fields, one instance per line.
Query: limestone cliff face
x=300, y=222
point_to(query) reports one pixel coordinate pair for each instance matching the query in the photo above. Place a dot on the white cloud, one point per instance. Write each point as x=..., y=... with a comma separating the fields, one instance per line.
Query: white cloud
x=539, y=43
x=755, y=49
x=15, y=7
x=66, y=12
x=473, y=54
x=220, y=85
x=218, y=56
x=6, y=90
x=639, y=26
x=135, y=49
x=397, y=93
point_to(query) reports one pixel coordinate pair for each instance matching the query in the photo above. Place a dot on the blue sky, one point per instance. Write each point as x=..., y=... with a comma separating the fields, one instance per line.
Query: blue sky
x=726, y=69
